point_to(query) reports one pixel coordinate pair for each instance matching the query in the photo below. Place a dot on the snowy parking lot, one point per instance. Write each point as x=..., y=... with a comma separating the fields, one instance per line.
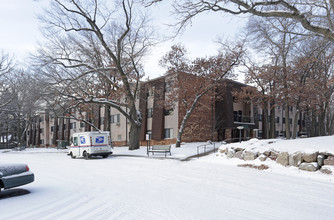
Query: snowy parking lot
x=124, y=187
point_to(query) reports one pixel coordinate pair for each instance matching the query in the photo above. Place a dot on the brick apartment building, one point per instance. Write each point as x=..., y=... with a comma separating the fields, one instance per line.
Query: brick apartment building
x=214, y=119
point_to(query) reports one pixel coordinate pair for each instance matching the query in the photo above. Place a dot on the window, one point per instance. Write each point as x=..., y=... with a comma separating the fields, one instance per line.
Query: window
x=260, y=117
x=41, y=141
x=115, y=118
x=168, y=86
x=82, y=124
x=150, y=91
x=290, y=120
x=75, y=141
x=168, y=133
x=73, y=125
x=119, y=137
x=169, y=111
x=52, y=128
x=283, y=120
x=41, y=130
x=277, y=119
x=150, y=113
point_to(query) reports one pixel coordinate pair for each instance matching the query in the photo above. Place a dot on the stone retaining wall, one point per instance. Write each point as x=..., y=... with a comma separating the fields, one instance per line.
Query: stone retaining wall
x=322, y=161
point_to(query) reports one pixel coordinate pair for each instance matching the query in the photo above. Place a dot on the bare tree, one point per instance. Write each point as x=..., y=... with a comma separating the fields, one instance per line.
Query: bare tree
x=94, y=41
x=193, y=80
x=314, y=16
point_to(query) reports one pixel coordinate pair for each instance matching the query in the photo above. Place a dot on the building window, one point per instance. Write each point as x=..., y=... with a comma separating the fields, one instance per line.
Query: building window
x=82, y=124
x=277, y=119
x=149, y=112
x=168, y=133
x=41, y=141
x=283, y=120
x=119, y=137
x=150, y=92
x=168, y=86
x=73, y=125
x=41, y=130
x=260, y=117
x=52, y=128
x=290, y=120
x=115, y=119
x=169, y=112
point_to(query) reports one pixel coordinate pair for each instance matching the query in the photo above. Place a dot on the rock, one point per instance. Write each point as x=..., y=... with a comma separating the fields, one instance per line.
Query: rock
x=266, y=153
x=327, y=169
x=309, y=166
x=239, y=154
x=320, y=160
x=249, y=155
x=310, y=157
x=222, y=150
x=328, y=161
x=239, y=149
x=295, y=159
x=230, y=153
x=326, y=153
x=283, y=158
x=274, y=153
x=262, y=157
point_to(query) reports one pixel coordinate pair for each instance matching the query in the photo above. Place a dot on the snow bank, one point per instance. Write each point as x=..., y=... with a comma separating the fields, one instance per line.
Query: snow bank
x=305, y=145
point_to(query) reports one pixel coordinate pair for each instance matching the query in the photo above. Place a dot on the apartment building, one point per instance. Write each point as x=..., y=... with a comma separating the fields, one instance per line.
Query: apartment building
x=280, y=121
x=214, y=118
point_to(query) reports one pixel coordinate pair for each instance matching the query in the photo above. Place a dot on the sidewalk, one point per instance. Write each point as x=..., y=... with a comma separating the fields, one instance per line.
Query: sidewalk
x=184, y=153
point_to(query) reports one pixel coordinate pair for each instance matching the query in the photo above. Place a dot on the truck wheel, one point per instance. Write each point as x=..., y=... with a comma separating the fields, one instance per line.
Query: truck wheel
x=105, y=156
x=73, y=157
x=86, y=155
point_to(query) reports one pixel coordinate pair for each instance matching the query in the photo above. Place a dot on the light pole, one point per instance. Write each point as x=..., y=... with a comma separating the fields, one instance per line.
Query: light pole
x=240, y=128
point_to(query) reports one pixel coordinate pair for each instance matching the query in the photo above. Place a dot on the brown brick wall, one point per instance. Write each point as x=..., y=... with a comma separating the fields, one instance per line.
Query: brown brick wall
x=199, y=124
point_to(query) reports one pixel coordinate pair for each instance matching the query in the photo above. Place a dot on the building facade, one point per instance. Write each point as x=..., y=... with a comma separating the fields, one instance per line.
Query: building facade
x=217, y=117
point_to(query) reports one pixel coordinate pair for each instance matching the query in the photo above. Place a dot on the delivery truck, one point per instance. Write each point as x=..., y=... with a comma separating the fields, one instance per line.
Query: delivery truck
x=88, y=144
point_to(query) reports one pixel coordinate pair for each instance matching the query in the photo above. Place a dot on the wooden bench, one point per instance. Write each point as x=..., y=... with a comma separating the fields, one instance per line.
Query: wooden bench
x=159, y=149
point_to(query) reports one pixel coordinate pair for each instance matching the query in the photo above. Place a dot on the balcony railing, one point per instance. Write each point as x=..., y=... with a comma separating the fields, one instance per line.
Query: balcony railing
x=243, y=119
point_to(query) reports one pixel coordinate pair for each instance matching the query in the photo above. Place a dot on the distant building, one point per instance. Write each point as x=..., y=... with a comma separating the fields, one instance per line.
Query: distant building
x=216, y=119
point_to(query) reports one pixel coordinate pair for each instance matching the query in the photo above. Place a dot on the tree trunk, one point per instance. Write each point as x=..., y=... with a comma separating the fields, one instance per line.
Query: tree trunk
x=272, y=121
x=287, y=121
x=265, y=121
x=134, y=136
x=295, y=121
x=107, y=118
x=182, y=126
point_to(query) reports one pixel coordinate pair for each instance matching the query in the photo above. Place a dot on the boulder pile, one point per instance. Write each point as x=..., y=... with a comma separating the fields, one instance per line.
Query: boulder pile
x=323, y=161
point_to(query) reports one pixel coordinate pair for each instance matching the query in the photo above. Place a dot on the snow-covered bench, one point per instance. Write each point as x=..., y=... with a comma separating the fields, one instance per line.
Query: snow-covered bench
x=159, y=149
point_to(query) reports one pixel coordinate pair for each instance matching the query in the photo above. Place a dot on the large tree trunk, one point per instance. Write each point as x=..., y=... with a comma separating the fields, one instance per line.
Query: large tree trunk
x=265, y=130
x=272, y=133
x=134, y=136
x=295, y=121
x=295, y=124
x=287, y=121
x=107, y=118
x=182, y=126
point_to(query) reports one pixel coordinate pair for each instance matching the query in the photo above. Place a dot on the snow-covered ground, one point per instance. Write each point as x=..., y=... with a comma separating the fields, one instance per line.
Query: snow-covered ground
x=139, y=187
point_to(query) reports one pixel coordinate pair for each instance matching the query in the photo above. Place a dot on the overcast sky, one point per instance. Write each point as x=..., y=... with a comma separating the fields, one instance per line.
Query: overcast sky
x=20, y=31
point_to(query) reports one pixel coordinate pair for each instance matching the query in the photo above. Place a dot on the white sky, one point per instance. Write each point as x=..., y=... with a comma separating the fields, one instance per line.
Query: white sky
x=20, y=31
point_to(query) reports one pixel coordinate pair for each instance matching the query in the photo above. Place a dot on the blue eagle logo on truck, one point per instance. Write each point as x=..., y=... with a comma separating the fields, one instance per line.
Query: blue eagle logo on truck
x=99, y=140
x=82, y=140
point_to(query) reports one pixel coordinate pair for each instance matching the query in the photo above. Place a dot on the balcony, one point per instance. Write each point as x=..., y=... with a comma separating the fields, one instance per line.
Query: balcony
x=242, y=119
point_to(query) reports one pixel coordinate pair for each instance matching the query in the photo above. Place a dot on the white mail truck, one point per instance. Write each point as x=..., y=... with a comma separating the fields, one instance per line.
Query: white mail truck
x=87, y=144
